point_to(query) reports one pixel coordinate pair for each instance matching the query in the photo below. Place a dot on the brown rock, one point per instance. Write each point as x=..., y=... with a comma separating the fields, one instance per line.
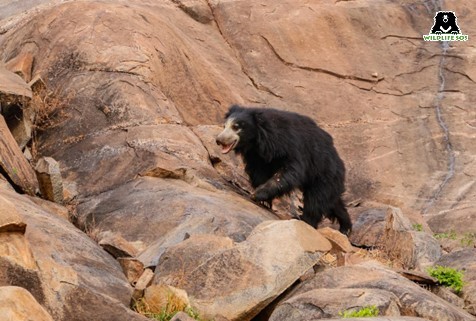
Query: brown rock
x=61, y=267
x=199, y=10
x=340, y=242
x=167, y=298
x=368, y=227
x=13, y=89
x=15, y=249
x=21, y=65
x=413, y=249
x=133, y=269
x=182, y=316
x=10, y=219
x=20, y=122
x=14, y=164
x=142, y=283
x=49, y=177
x=413, y=299
x=322, y=303
x=116, y=245
x=464, y=260
x=17, y=304
x=188, y=255
x=173, y=210
x=239, y=282
x=51, y=207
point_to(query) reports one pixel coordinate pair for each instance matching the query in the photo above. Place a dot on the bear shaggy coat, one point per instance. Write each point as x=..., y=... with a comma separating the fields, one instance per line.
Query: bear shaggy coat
x=283, y=151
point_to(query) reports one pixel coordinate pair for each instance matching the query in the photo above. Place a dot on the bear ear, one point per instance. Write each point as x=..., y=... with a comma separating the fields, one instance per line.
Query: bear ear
x=233, y=109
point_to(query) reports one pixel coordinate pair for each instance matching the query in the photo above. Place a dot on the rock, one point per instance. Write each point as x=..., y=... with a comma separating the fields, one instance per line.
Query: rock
x=450, y=297
x=61, y=267
x=17, y=304
x=368, y=228
x=414, y=249
x=116, y=245
x=133, y=269
x=49, y=177
x=187, y=255
x=21, y=65
x=182, y=316
x=173, y=210
x=464, y=260
x=13, y=89
x=10, y=219
x=413, y=299
x=340, y=242
x=142, y=283
x=328, y=303
x=239, y=282
x=197, y=9
x=51, y=207
x=14, y=164
x=19, y=120
x=167, y=298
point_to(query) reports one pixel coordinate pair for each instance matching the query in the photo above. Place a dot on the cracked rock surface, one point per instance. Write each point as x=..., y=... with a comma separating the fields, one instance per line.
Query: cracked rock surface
x=144, y=86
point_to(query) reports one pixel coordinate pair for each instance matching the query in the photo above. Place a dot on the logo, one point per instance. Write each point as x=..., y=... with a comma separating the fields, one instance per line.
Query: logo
x=445, y=28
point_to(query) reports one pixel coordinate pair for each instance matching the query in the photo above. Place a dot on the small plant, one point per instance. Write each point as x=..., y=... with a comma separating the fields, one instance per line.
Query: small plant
x=167, y=313
x=446, y=235
x=469, y=239
x=448, y=277
x=368, y=311
x=418, y=227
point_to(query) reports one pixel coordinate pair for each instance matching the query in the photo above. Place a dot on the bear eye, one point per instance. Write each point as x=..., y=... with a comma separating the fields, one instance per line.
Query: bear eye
x=235, y=126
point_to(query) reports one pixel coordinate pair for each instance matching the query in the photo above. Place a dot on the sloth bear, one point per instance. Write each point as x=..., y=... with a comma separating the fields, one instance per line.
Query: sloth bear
x=283, y=151
x=445, y=23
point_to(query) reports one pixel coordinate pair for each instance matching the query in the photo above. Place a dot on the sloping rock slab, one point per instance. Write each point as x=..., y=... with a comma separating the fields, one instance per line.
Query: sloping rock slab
x=162, y=212
x=328, y=303
x=414, y=300
x=464, y=260
x=17, y=304
x=69, y=270
x=13, y=89
x=14, y=164
x=239, y=282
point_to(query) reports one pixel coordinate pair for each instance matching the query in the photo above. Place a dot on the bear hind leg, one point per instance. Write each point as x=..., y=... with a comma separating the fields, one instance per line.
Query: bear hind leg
x=340, y=213
x=312, y=212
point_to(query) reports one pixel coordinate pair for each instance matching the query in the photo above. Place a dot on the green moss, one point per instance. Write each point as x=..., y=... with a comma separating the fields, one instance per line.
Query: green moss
x=418, y=227
x=369, y=311
x=446, y=235
x=447, y=276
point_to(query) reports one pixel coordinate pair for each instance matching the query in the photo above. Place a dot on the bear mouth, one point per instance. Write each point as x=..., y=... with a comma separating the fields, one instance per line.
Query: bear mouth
x=225, y=149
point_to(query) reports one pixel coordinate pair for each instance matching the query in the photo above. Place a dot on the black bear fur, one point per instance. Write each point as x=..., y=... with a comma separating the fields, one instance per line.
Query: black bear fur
x=283, y=151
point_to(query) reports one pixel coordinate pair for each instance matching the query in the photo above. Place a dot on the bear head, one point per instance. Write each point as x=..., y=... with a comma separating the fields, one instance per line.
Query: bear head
x=239, y=131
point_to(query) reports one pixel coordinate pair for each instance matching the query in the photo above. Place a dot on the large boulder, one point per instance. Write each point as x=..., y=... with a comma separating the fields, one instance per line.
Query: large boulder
x=17, y=304
x=413, y=300
x=64, y=270
x=237, y=282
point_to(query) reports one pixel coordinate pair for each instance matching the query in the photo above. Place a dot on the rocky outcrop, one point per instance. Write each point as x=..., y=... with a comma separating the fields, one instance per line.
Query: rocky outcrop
x=18, y=304
x=64, y=270
x=408, y=298
x=140, y=90
x=239, y=281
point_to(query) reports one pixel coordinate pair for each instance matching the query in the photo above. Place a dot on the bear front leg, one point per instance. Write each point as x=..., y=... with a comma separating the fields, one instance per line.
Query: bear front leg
x=279, y=184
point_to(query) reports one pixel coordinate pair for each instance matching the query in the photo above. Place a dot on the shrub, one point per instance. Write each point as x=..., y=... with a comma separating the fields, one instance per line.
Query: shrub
x=369, y=311
x=447, y=276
